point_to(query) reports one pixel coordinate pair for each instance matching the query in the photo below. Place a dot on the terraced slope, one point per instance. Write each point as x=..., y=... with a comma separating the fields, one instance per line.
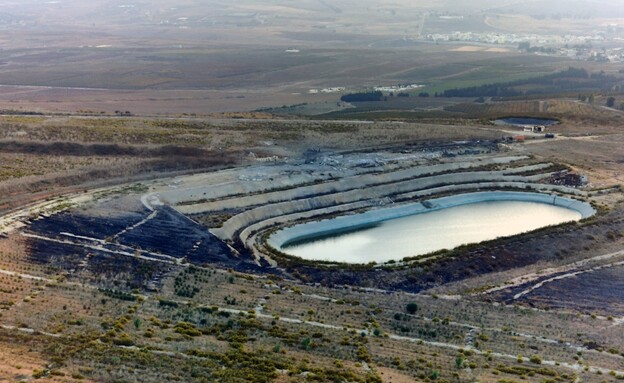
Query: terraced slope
x=250, y=206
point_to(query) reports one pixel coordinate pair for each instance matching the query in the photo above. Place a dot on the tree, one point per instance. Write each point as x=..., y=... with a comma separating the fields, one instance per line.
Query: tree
x=411, y=308
x=459, y=362
x=610, y=102
x=306, y=343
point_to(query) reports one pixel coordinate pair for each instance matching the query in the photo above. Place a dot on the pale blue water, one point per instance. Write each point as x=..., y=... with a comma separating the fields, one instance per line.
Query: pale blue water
x=525, y=121
x=424, y=233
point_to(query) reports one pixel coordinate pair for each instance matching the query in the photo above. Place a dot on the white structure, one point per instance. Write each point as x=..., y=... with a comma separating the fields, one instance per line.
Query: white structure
x=534, y=128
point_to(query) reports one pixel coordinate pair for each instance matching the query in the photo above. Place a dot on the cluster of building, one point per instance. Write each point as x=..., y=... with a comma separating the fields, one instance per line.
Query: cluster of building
x=613, y=55
x=398, y=88
x=577, y=47
x=336, y=89
x=516, y=39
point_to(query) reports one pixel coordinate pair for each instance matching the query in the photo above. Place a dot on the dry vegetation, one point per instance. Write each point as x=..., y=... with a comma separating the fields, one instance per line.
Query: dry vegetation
x=97, y=103
x=205, y=324
x=65, y=152
x=267, y=328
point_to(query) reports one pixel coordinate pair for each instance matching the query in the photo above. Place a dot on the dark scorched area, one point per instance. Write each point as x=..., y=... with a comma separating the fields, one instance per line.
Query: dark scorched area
x=174, y=234
x=121, y=240
x=592, y=291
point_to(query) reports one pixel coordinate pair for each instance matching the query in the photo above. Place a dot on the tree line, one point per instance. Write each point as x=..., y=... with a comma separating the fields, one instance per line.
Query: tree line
x=362, y=96
x=572, y=78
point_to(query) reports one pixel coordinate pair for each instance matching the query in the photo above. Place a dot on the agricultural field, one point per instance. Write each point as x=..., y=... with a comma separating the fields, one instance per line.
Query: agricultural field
x=77, y=58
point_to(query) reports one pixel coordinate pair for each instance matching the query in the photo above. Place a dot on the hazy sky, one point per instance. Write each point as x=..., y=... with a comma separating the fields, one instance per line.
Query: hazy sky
x=119, y=16
x=205, y=7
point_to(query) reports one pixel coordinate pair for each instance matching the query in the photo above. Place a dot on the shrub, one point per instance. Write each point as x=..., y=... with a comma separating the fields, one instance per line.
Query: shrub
x=123, y=340
x=38, y=374
x=186, y=328
x=167, y=303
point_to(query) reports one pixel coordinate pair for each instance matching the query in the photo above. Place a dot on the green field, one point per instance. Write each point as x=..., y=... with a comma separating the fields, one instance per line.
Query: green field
x=484, y=72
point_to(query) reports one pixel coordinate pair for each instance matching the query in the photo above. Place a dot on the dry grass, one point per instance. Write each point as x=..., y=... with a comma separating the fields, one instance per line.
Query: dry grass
x=599, y=157
x=66, y=308
x=279, y=315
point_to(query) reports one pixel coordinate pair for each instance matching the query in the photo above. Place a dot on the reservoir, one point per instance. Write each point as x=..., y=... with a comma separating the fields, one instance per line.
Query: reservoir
x=425, y=232
x=522, y=121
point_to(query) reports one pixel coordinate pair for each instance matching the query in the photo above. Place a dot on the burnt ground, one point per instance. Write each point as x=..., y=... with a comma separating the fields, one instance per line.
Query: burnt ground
x=600, y=292
x=104, y=241
x=98, y=149
x=105, y=269
x=176, y=235
x=82, y=223
x=121, y=240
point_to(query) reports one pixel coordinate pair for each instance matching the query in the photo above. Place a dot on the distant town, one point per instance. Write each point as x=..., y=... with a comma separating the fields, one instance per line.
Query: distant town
x=578, y=47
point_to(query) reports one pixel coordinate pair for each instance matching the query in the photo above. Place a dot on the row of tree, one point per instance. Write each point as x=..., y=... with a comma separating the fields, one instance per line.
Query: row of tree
x=570, y=79
x=362, y=96
x=375, y=96
x=564, y=81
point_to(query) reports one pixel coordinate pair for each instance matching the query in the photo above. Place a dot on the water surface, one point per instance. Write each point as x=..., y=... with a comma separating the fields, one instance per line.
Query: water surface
x=427, y=232
x=521, y=121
